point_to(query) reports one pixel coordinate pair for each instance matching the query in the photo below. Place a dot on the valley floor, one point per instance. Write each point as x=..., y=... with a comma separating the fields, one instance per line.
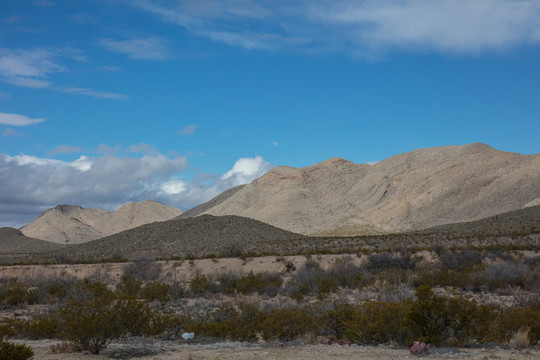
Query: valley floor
x=244, y=351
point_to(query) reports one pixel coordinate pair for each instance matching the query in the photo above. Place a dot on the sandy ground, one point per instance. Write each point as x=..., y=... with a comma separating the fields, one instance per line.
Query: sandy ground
x=244, y=351
x=170, y=270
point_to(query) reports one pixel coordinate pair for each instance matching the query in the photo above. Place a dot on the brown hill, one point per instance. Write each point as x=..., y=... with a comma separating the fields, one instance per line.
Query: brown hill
x=200, y=236
x=411, y=191
x=71, y=224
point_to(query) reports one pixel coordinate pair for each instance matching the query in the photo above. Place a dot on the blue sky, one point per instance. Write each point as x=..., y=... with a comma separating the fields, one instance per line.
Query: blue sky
x=107, y=102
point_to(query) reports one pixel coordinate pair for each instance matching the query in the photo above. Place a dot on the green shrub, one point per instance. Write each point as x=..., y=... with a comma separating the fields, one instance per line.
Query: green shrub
x=286, y=324
x=261, y=283
x=448, y=321
x=129, y=287
x=96, y=317
x=377, y=322
x=44, y=327
x=515, y=319
x=155, y=291
x=10, y=351
x=200, y=285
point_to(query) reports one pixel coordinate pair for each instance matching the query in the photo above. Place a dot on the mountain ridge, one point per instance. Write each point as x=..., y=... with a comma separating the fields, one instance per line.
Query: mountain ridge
x=73, y=224
x=406, y=192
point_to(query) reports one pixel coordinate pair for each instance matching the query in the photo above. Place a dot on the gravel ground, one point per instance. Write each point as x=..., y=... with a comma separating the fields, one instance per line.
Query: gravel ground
x=166, y=350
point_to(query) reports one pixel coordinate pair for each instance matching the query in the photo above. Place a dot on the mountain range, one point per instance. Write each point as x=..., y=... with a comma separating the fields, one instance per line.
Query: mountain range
x=406, y=192
x=72, y=224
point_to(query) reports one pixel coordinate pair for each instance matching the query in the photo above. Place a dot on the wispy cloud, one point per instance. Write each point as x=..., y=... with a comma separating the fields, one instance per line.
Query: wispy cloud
x=66, y=149
x=4, y=96
x=448, y=26
x=28, y=68
x=364, y=28
x=188, y=130
x=10, y=132
x=94, y=93
x=147, y=48
x=18, y=120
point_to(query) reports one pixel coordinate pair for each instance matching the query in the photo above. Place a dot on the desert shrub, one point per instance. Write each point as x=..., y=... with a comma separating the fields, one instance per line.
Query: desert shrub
x=286, y=324
x=261, y=283
x=311, y=280
x=229, y=322
x=384, y=261
x=10, y=351
x=396, y=284
x=460, y=260
x=513, y=320
x=497, y=276
x=332, y=320
x=143, y=268
x=155, y=291
x=438, y=320
x=129, y=287
x=200, y=285
x=158, y=323
x=463, y=279
x=347, y=274
x=227, y=283
x=377, y=322
x=47, y=326
x=97, y=316
x=14, y=292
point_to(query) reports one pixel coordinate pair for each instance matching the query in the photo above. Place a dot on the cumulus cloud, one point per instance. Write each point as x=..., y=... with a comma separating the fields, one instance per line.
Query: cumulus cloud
x=18, y=120
x=32, y=184
x=246, y=170
x=365, y=28
x=147, y=48
x=188, y=130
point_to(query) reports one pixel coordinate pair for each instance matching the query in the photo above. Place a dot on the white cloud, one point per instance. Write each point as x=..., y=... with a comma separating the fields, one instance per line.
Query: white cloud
x=18, y=120
x=275, y=143
x=31, y=184
x=28, y=68
x=447, y=26
x=94, y=93
x=148, y=48
x=366, y=28
x=373, y=162
x=246, y=170
x=172, y=187
x=188, y=130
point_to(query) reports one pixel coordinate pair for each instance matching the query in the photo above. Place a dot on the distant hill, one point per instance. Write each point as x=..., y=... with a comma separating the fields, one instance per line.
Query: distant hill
x=72, y=224
x=406, y=192
x=14, y=246
x=200, y=236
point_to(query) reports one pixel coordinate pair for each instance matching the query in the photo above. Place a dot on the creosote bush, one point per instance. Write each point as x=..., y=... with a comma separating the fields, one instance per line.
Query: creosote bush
x=10, y=351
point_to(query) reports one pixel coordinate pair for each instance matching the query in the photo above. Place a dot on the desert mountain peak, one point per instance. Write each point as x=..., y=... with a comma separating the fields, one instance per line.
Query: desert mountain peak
x=75, y=224
x=414, y=190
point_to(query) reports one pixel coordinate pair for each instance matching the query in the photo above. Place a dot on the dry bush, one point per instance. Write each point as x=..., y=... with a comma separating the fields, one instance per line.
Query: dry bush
x=143, y=268
x=520, y=339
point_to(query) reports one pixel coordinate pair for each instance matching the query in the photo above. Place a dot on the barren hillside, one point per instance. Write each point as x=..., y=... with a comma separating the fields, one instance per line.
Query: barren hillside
x=410, y=191
x=69, y=224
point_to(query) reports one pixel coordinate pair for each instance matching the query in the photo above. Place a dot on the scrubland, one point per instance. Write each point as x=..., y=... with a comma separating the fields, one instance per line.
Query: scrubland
x=465, y=301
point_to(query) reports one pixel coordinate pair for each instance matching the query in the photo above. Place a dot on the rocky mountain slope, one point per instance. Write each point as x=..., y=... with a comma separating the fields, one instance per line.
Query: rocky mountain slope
x=199, y=236
x=415, y=190
x=69, y=224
